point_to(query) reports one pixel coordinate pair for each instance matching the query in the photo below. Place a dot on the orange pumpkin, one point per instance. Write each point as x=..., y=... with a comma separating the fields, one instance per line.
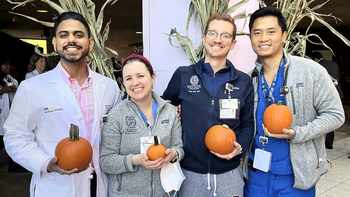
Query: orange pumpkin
x=156, y=150
x=219, y=139
x=277, y=117
x=73, y=151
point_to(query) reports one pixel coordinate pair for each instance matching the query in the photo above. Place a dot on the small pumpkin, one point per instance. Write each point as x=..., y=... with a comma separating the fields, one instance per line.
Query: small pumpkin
x=219, y=139
x=277, y=117
x=156, y=150
x=73, y=151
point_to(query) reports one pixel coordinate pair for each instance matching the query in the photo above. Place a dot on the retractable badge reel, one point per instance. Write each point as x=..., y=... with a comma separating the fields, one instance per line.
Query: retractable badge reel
x=262, y=158
x=229, y=108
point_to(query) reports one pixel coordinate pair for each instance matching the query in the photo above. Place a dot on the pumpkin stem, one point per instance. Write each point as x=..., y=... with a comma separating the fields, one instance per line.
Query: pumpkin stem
x=156, y=142
x=225, y=126
x=73, y=132
x=279, y=102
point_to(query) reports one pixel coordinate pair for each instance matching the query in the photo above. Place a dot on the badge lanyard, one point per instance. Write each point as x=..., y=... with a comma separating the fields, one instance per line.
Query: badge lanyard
x=268, y=95
x=268, y=91
x=154, y=112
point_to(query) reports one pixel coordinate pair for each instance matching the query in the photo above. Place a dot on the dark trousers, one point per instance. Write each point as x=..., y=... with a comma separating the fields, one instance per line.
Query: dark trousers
x=330, y=139
x=93, y=185
x=1, y=142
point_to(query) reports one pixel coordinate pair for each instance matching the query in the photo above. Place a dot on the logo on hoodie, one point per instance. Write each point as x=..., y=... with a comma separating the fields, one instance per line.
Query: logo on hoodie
x=194, y=87
x=131, y=123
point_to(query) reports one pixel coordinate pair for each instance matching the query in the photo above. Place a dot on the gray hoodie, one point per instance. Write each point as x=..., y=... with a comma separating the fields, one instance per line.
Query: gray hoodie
x=317, y=110
x=121, y=140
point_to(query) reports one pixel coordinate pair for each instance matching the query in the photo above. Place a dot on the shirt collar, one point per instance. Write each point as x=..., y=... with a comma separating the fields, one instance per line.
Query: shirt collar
x=67, y=78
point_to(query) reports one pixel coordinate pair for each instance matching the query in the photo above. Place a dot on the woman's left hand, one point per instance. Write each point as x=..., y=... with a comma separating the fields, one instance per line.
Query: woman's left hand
x=170, y=155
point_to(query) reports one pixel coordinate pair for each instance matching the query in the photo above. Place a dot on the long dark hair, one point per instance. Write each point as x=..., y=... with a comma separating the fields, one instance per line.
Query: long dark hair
x=2, y=74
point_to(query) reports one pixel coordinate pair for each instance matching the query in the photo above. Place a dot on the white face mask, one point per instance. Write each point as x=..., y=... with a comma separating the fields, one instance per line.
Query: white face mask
x=171, y=177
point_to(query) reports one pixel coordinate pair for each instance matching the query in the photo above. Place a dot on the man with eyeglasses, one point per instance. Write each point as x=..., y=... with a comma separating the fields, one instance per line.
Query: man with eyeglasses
x=213, y=92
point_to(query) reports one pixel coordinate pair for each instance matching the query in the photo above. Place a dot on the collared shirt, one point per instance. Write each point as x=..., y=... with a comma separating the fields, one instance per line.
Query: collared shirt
x=84, y=96
x=213, y=81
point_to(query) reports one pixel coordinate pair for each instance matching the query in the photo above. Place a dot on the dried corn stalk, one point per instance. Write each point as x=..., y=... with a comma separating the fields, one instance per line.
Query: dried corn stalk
x=294, y=11
x=203, y=9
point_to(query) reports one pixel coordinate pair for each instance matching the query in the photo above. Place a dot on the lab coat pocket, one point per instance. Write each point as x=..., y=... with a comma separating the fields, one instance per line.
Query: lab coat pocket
x=47, y=185
x=50, y=120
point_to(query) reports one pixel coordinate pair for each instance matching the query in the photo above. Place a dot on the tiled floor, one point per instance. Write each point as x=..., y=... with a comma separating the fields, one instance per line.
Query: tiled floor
x=336, y=183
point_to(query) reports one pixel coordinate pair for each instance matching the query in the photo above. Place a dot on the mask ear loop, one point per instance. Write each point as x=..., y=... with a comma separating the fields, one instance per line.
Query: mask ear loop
x=174, y=195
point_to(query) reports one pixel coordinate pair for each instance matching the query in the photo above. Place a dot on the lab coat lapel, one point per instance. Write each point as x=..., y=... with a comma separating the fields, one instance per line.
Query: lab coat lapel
x=62, y=88
x=99, y=89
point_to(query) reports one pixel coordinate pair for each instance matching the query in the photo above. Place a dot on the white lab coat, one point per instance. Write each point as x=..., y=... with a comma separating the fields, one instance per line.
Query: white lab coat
x=5, y=107
x=40, y=116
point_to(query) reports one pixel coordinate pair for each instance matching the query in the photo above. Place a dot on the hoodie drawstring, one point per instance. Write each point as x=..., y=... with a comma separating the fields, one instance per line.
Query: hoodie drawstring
x=209, y=188
x=215, y=185
x=208, y=181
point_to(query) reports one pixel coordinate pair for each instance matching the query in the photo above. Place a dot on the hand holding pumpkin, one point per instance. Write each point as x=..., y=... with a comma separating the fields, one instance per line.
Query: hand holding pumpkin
x=143, y=160
x=237, y=150
x=54, y=167
x=286, y=133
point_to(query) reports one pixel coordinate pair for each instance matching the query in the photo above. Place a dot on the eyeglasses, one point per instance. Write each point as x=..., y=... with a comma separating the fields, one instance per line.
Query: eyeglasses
x=213, y=34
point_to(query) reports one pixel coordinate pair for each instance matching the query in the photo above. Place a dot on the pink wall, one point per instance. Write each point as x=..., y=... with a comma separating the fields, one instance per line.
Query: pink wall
x=158, y=19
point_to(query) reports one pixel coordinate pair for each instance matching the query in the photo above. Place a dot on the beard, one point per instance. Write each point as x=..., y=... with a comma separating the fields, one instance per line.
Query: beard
x=72, y=58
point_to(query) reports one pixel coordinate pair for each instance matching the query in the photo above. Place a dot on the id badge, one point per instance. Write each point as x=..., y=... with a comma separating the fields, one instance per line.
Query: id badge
x=146, y=142
x=262, y=160
x=229, y=108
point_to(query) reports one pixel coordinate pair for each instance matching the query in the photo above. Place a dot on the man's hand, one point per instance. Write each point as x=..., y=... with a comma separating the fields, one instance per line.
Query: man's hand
x=237, y=150
x=287, y=133
x=177, y=108
x=53, y=167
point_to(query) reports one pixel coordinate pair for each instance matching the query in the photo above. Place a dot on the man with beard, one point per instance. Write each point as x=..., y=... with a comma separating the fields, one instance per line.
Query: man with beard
x=46, y=105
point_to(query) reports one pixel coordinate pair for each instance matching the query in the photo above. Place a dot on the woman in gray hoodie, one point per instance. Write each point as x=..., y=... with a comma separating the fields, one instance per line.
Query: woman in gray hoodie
x=131, y=125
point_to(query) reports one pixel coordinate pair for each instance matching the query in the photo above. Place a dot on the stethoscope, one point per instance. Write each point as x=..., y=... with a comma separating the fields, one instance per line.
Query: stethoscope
x=284, y=89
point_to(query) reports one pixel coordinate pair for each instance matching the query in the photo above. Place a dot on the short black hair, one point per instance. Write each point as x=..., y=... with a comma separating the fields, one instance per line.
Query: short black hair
x=268, y=11
x=71, y=15
x=317, y=55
